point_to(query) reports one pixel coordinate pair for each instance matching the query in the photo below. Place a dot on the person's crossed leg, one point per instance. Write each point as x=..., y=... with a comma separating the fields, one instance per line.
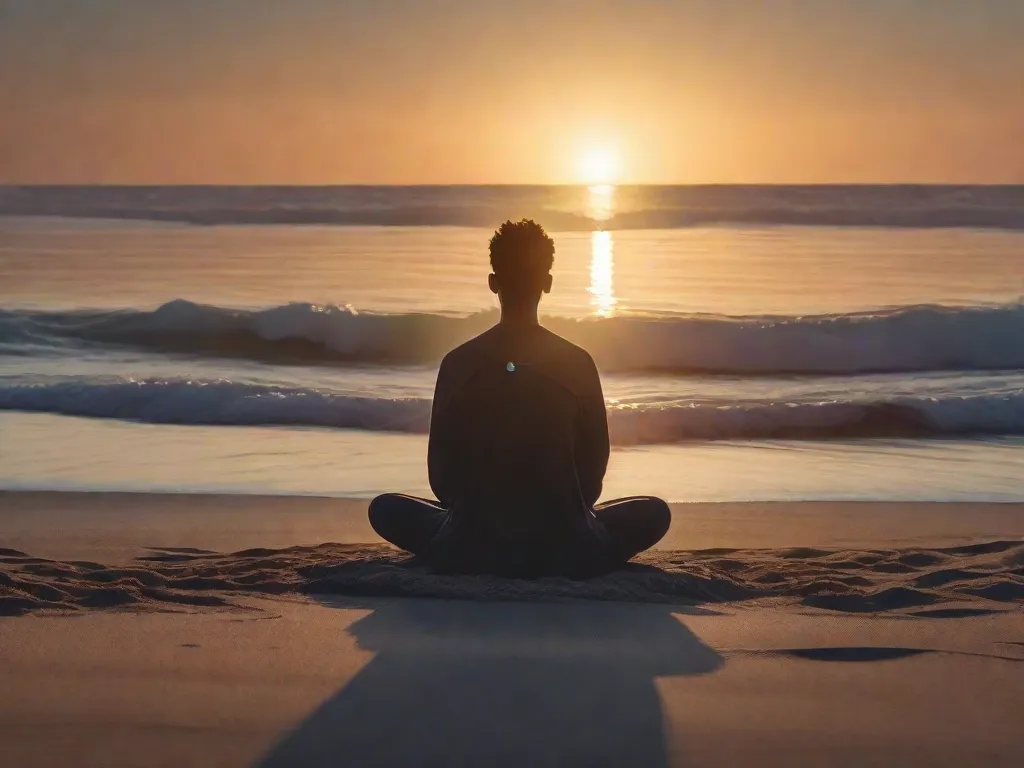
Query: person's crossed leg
x=634, y=523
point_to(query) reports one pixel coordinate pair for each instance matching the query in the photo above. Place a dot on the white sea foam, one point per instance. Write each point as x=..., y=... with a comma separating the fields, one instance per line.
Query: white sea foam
x=228, y=403
x=910, y=339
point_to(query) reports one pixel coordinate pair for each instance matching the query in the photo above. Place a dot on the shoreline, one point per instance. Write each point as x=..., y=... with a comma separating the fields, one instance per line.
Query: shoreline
x=67, y=454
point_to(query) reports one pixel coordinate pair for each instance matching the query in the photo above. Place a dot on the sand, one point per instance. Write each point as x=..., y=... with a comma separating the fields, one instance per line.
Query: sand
x=147, y=630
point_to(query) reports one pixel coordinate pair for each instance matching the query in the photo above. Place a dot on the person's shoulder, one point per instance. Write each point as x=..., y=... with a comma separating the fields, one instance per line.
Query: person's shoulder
x=469, y=351
x=568, y=352
x=570, y=364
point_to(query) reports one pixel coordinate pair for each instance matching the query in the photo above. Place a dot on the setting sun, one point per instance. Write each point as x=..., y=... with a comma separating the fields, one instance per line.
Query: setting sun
x=599, y=165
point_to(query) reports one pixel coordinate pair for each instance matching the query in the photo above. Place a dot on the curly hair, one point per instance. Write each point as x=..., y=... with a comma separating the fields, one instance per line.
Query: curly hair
x=522, y=254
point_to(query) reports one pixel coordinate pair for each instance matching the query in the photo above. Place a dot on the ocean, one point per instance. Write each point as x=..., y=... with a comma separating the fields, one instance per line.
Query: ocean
x=755, y=343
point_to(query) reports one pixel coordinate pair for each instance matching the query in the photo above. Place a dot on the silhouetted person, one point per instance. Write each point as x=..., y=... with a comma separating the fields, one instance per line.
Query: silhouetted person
x=519, y=446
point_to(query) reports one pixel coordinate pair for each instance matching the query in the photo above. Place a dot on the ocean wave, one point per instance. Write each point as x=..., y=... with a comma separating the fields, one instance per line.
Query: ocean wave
x=217, y=403
x=909, y=339
x=565, y=221
x=228, y=403
x=559, y=208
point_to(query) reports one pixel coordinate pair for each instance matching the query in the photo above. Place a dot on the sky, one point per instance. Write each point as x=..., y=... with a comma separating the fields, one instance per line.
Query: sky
x=511, y=92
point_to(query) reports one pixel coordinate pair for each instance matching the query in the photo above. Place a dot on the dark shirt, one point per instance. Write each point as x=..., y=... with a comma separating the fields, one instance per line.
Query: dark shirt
x=517, y=455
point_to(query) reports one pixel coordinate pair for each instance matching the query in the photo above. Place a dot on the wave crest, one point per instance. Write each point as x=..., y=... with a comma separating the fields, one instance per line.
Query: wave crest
x=909, y=339
x=227, y=403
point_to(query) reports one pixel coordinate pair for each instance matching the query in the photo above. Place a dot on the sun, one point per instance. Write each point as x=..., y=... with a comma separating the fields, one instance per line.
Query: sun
x=599, y=165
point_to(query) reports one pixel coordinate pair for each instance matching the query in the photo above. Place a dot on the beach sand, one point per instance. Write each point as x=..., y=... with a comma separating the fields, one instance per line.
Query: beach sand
x=162, y=630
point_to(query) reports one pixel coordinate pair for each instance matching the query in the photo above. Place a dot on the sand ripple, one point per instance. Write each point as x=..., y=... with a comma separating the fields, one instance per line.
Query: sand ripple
x=935, y=583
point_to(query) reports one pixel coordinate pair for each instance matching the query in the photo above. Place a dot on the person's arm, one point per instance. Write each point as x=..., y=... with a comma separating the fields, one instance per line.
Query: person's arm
x=439, y=444
x=592, y=445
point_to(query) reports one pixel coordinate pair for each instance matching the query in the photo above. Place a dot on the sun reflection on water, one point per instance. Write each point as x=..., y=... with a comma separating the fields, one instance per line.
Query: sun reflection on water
x=602, y=273
x=600, y=208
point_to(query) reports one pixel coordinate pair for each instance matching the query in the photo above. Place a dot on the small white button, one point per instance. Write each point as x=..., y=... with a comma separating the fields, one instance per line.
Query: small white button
x=511, y=367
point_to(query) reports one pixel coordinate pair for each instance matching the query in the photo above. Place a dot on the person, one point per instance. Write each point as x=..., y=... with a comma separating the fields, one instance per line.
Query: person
x=519, y=446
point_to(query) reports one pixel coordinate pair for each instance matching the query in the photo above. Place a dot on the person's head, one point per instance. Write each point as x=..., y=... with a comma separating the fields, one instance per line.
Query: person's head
x=521, y=258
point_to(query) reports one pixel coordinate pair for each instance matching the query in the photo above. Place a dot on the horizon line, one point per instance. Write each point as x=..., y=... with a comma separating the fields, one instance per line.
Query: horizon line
x=573, y=185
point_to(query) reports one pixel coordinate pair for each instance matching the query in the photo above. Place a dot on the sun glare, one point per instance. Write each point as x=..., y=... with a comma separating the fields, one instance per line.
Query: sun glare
x=602, y=274
x=599, y=165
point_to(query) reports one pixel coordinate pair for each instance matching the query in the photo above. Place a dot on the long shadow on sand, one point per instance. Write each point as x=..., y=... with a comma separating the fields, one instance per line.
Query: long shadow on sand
x=459, y=683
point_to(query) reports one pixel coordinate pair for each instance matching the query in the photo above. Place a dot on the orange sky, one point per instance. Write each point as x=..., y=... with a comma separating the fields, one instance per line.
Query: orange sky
x=482, y=91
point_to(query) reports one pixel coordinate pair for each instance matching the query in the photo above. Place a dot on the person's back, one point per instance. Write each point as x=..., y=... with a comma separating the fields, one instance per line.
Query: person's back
x=519, y=446
x=518, y=450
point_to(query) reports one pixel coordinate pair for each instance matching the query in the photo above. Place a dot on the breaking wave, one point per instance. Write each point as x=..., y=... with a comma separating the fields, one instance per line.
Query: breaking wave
x=909, y=339
x=227, y=403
